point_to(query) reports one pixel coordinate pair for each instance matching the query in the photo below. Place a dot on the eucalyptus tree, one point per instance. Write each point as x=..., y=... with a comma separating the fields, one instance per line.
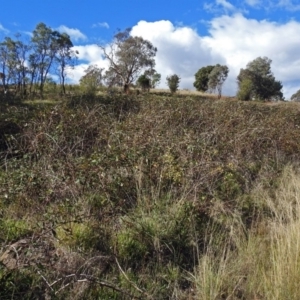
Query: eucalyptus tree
x=216, y=78
x=144, y=82
x=154, y=77
x=128, y=56
x=92, y=79
x=12, y=61
x=18, y=53
x=32, y=70
x=202, y=78
x=22, y=51
x=4, y=62
x=44, y=46
x=65, y=56
x=112, y=79
x=257, y=81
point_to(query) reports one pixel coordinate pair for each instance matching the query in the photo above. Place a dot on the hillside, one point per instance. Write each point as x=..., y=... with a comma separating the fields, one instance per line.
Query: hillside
x=149, y=197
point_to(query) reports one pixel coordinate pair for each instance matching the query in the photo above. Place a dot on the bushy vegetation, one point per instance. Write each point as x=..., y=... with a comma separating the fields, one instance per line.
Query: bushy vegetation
x=211, y=78
x=144, y=82
x=156, y=196
x=173, y=82
x=202, y=78
x=258, y=82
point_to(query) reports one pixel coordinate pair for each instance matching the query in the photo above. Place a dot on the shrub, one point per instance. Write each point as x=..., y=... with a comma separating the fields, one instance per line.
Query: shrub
x=173, y=83
x=245, y=90
x=144, y=83
x=202, y=78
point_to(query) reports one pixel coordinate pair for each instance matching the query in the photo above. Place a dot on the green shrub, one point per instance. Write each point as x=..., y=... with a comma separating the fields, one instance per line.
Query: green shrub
x=173, y=82
x=12, y=229
x=245, y=90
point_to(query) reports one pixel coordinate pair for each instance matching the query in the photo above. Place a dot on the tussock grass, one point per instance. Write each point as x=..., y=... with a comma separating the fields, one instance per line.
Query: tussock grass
x=264, y=264
x=283, y=272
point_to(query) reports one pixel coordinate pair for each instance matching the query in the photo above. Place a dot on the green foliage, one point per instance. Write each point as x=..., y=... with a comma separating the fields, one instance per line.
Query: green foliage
x=127, y=57
x=202, y=78
x=44, y=44
x=156, y=77
x=92, y=79
x=217, y=77
x=173, y=82
x=131, y=248
x=245, y=90
x=144, y=82
x=13, y=229
x=65, y=56
x=13, y=55
x=26, y=66
x=150, y=234
x=263, y=83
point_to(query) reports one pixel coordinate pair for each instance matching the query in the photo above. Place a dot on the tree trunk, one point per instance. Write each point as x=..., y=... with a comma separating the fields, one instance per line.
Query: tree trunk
x=126, y=88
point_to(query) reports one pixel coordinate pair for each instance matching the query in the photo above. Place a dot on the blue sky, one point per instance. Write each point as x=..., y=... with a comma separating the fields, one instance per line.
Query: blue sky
x=189, y=34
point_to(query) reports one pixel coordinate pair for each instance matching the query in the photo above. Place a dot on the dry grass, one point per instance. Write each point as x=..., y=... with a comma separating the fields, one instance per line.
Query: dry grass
x=265, y=264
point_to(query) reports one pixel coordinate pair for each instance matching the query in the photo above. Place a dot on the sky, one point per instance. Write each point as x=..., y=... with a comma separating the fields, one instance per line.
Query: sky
x=188, y=34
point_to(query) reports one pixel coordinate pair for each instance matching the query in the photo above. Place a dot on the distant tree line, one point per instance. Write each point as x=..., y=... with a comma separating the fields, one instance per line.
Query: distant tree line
x=255, y=82
x=131, y=61
x=28, y=64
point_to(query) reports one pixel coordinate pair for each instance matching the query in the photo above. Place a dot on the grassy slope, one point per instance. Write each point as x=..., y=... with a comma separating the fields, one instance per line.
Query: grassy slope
x=154, y=197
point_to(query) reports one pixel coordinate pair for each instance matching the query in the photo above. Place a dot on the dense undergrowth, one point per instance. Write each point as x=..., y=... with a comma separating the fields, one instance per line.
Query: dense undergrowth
x=149, y=197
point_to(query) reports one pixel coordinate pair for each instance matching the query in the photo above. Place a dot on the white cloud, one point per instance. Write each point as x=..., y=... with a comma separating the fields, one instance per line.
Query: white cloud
x=103, y=24
x=3, y=29
x=29, y=33
x=180, y=50
x=76, y=73
x=219, y=7
x=233, y=40
x=289, y=5
x=87, y=55
x=254, y=3
x=75, y=34
x=225, y=4
x=90, y=53
x=241, y=40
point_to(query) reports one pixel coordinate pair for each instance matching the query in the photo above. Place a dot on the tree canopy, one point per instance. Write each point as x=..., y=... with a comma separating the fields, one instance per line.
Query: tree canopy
x=47, y=52
x=217, y=77
x=150, y=79
x=173, y=82
x=258, y=82
x=154, y=77
x=26, y=64
x=144, y=82
x=128, y=56
x=92, y=79
x=65, y=56
x=201, y=78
